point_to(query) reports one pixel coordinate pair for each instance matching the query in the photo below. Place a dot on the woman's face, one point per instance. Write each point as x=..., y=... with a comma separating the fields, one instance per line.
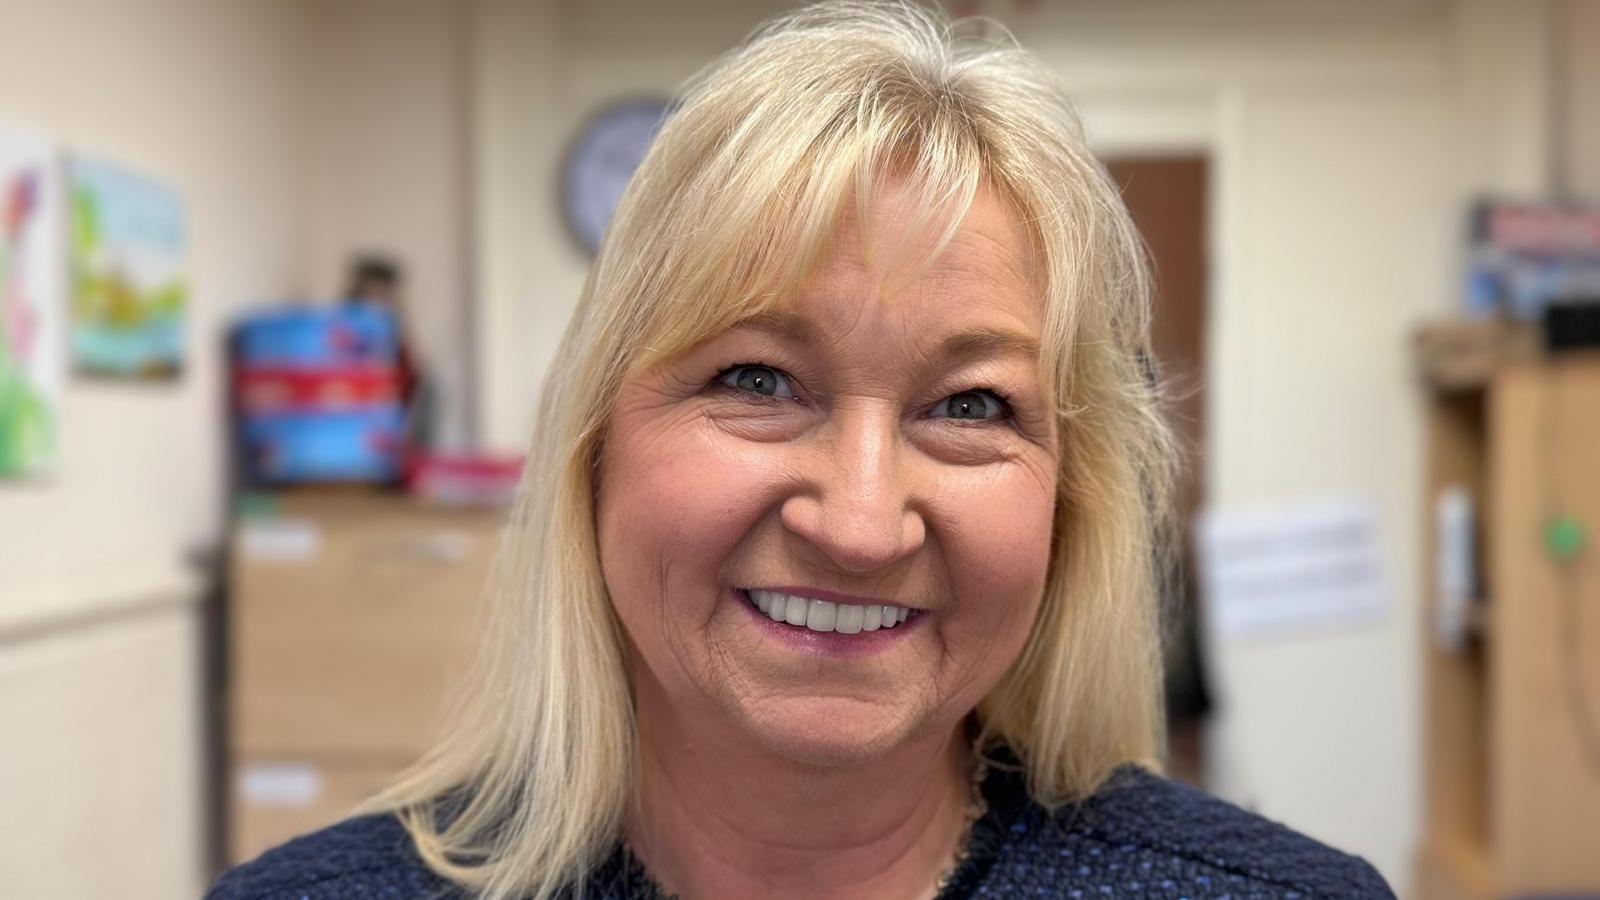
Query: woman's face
x=765, y=494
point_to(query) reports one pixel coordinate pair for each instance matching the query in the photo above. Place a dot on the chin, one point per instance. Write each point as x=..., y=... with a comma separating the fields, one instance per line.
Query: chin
x=828, y=731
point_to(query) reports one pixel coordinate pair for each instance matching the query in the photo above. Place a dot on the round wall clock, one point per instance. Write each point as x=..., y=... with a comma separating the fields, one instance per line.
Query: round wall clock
x=601, y=160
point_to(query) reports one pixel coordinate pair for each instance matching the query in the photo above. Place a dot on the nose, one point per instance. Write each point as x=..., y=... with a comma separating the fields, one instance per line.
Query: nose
x=856, y=501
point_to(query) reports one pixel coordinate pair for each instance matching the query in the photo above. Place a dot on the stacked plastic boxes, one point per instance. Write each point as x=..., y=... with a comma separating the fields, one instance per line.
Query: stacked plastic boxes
x=317, y=395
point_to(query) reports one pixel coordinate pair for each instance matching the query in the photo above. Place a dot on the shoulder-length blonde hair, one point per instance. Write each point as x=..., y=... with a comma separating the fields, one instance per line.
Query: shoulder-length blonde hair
x=737, y=198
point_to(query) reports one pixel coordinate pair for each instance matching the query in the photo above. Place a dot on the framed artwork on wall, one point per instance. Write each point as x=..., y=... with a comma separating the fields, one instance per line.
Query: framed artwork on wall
x=126, y=250
x=32, y=300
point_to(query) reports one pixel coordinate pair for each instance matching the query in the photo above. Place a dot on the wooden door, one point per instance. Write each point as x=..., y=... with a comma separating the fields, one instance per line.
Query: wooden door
x=1167, y=196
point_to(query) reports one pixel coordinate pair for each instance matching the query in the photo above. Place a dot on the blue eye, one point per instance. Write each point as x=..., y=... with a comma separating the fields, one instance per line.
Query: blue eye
x=757, y=379
x=975, y=404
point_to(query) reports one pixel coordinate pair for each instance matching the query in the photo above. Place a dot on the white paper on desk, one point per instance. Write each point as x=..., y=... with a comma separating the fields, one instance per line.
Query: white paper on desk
x=280, y=540
x=280, y=784
x=1291, y=568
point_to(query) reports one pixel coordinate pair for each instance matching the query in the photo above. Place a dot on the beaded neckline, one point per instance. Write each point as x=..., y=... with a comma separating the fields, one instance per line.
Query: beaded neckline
x=977, y=805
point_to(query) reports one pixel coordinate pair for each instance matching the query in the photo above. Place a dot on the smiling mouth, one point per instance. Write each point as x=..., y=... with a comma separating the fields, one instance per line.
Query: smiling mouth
x=825, y=615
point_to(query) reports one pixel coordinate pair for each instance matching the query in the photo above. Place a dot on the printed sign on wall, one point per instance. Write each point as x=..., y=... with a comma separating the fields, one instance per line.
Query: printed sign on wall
x=1312, y=565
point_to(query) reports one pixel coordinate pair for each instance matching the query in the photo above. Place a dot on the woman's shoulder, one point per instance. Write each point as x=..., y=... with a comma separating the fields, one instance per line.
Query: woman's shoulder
x=1140, y=834
x=1145, y=834
x=364, y=856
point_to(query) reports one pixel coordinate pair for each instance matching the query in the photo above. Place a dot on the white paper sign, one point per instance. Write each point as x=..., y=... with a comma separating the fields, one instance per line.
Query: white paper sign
x=290, y=785
x=1291, y=568
x=280, y=540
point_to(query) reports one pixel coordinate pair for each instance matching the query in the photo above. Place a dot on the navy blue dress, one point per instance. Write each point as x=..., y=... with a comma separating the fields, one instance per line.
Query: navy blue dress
x=1140, y=835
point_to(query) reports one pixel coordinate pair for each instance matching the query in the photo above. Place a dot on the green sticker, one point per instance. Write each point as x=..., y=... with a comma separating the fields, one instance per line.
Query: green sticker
x=1564, y=538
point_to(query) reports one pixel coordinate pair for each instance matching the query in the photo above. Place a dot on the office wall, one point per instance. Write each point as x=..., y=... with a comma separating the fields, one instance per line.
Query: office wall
x=98, y=684
x=1578, y=99
x=297, y=131
x=102, y=759
x=197, y=95
x=1346, y=139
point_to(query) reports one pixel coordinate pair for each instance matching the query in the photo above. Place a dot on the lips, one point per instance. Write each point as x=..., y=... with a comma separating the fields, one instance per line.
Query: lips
x=819, y=615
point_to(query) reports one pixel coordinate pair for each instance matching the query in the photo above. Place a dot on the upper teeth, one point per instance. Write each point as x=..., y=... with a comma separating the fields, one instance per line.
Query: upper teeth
x=824, y=615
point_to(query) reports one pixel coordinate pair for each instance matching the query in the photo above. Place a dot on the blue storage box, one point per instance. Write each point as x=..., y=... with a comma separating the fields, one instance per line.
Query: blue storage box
x=318, y=337
x=333, y=414
x=360, y=445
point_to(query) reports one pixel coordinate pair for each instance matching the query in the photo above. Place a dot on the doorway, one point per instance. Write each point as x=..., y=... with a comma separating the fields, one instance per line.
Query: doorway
x=1167, y=196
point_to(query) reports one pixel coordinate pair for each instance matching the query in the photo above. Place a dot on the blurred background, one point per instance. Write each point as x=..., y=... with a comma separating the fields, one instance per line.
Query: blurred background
x=280, y=280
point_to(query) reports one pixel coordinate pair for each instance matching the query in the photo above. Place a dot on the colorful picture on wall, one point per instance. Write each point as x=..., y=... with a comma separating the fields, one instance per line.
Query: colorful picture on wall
x=32, y=303
x=129, y=292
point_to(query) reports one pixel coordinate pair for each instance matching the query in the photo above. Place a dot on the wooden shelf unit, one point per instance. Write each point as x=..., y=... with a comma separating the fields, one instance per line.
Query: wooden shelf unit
x=353, y=616
x=1512, y=786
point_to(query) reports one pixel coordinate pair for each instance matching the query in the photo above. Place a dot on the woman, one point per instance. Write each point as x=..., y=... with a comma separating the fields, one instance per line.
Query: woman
x=833, y=568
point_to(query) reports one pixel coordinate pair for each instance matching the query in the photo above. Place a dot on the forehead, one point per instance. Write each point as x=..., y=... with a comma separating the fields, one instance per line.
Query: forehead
x=876, y=271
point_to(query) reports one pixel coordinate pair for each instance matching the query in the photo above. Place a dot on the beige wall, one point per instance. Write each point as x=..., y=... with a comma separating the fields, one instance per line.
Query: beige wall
x=100, y=759
x=196, y=94
x=1579, y=99
x=101, y=763
x=1346, y=138
x=296, y=130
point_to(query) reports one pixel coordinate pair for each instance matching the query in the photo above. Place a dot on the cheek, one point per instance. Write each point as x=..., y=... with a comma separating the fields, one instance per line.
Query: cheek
x=672, y=509
x=997, y=551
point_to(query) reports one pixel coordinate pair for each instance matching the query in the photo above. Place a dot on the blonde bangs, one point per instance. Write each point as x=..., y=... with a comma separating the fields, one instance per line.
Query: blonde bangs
x=754, y=215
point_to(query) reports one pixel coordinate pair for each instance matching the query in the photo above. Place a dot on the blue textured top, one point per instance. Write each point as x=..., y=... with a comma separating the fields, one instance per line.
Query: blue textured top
x=1140, y=835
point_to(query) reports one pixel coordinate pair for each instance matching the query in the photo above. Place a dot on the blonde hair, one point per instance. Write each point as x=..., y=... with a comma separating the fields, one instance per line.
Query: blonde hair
x=738, y=197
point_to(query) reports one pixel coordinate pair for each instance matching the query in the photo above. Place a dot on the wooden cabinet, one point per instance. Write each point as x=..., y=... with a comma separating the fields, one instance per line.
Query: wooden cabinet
x=351, y=619
x=1512, y=767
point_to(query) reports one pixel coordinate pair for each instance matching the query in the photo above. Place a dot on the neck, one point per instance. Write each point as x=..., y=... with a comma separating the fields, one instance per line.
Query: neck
x=715, y=816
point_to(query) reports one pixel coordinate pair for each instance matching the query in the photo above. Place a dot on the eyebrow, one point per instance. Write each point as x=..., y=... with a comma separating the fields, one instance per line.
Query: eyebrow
x=979, y=341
